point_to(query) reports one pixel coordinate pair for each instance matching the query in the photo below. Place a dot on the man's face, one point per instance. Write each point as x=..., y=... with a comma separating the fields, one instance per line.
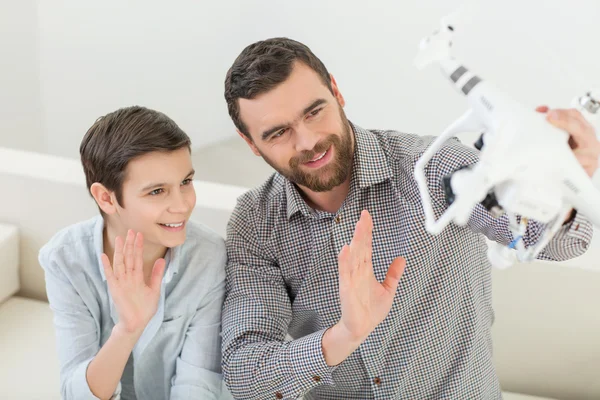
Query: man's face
x=158, y=190
x=300, y=129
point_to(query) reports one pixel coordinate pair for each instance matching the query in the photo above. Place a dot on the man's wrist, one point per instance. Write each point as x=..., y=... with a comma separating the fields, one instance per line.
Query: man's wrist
x=338, y=343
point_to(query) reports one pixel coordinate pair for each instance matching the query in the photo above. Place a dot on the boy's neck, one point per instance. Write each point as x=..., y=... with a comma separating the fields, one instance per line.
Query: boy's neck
x=152, y=252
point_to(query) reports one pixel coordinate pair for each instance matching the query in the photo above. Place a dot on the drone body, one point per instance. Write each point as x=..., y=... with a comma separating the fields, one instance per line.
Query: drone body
x=526, y=165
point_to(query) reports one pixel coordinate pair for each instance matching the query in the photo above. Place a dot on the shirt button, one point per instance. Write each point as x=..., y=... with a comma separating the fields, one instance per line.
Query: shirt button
x=317, y=378
x=377, y=381
x=338, y=219
x=279, y=395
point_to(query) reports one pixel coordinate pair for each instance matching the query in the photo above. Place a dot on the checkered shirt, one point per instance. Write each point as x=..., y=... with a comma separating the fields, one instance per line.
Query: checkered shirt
x=282, y=278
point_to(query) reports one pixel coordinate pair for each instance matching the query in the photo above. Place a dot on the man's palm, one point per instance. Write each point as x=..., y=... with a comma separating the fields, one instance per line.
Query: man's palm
x=364, y=301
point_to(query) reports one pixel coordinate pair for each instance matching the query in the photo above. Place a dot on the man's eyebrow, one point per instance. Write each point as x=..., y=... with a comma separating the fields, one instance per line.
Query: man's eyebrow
x=314, y=104
x=270, y=131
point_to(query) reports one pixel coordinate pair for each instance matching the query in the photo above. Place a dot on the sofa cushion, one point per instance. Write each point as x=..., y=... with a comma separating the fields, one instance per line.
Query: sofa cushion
x=9, y=267
x=517, y=396
x=29, y=367
x=546, y=330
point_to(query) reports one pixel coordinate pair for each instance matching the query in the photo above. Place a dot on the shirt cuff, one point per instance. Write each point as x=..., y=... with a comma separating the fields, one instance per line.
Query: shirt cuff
x=572, y=240
x=308, y=361
x=80, y=389
x=579, y=228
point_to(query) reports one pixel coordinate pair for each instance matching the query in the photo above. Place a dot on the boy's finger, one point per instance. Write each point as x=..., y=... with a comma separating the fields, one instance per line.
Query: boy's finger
x=108, y=271
x=118, y=258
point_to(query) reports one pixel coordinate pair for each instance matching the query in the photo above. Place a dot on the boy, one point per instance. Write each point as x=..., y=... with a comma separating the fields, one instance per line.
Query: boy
x=144, y=323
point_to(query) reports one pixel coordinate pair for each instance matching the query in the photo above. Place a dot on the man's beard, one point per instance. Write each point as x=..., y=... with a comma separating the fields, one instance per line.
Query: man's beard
x=329, y=176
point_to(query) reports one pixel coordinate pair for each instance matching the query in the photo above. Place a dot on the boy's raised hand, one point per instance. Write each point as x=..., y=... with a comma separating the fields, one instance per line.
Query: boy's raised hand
x=135, y=301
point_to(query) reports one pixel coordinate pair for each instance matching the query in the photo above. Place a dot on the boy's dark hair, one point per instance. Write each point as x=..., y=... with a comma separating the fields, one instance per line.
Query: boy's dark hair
x=262, y=66
x=122, y=135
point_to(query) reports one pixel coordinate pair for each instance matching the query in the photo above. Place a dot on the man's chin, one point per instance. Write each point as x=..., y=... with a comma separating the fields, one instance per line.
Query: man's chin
x=323, y=185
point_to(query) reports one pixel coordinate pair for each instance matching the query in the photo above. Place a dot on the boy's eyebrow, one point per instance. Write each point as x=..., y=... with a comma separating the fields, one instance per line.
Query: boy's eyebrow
x=306, y=110
x=155, y=185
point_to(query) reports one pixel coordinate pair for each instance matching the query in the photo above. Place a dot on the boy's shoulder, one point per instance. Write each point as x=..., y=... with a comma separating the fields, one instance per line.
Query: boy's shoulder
x=203, y=242
x=75, y=241
x=71, y=236
x=202, y=234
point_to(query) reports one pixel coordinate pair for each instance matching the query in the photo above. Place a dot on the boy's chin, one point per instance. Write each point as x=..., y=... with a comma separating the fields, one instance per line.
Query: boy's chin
x=172, y=239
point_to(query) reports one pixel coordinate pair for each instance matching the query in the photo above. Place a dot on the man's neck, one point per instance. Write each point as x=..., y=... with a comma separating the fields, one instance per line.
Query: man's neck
x=329, y=201
x=152, y=252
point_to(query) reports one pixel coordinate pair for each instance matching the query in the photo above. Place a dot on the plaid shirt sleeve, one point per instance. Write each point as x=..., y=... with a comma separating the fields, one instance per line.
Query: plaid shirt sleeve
x=571, y=241
x=258, y=362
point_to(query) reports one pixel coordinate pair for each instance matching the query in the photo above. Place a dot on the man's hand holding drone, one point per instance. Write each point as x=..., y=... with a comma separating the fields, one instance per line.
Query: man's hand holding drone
x=583, y=139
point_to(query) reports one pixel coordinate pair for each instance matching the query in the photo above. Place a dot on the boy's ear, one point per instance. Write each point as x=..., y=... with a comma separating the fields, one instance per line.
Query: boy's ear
x=104, y=198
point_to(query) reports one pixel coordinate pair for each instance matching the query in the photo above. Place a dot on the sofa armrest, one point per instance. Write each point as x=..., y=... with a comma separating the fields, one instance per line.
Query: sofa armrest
x=9, y=266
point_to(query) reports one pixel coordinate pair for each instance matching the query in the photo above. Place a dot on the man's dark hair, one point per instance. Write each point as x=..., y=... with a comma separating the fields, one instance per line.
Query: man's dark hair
x=262, y=66
x=120, y=136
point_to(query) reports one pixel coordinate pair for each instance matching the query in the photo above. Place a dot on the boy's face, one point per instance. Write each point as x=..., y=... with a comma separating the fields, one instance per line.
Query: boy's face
x=301, y=130
x=158, y=190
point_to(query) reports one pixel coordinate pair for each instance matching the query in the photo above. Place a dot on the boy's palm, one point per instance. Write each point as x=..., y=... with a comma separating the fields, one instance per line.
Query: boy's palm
x=135, y=301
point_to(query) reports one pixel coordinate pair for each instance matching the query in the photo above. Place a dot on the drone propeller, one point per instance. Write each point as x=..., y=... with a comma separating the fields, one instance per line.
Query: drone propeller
x=436, y=46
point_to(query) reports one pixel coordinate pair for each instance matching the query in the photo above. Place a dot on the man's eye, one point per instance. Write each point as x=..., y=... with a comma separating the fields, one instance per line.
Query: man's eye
x=279, y=133
x=186, y=182
x=315, y=112
x=155, y=192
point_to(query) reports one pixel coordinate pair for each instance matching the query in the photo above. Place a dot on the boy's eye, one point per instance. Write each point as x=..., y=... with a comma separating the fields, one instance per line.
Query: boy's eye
x=155, y=192
x=186, y=182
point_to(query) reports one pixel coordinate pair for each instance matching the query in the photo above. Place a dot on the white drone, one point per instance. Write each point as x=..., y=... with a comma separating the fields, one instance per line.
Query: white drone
x=526, y=165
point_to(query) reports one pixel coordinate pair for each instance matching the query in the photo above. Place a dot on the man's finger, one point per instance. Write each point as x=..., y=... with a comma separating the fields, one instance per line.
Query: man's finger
x=588, y=159
x=571, y=121
x=356, y=244
x=344, y=265
x=394, y=274
x=542, y=109
x=368, y=239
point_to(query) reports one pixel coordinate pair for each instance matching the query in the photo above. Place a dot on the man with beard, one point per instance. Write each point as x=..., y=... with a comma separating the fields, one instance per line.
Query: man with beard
x=317, y=252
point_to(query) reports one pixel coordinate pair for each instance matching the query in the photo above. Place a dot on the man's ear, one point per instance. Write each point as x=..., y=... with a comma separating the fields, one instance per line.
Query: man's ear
x=104, y=198
x=250, y=143
x=336, y=91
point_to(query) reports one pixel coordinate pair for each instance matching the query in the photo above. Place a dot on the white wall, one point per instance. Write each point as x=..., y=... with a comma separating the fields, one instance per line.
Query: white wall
x=96, y=56
x=20, y=104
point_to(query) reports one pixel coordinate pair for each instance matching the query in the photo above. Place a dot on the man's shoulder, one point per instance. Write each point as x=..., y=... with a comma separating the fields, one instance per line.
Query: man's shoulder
x=398, y=144
x=409, y=147
x=264, y=200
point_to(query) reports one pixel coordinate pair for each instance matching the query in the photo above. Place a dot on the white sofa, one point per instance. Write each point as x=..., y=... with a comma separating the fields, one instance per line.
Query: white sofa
x=546, y=335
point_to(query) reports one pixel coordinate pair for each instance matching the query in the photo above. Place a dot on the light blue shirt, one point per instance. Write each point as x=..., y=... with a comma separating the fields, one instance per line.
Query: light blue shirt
x=178, y=355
